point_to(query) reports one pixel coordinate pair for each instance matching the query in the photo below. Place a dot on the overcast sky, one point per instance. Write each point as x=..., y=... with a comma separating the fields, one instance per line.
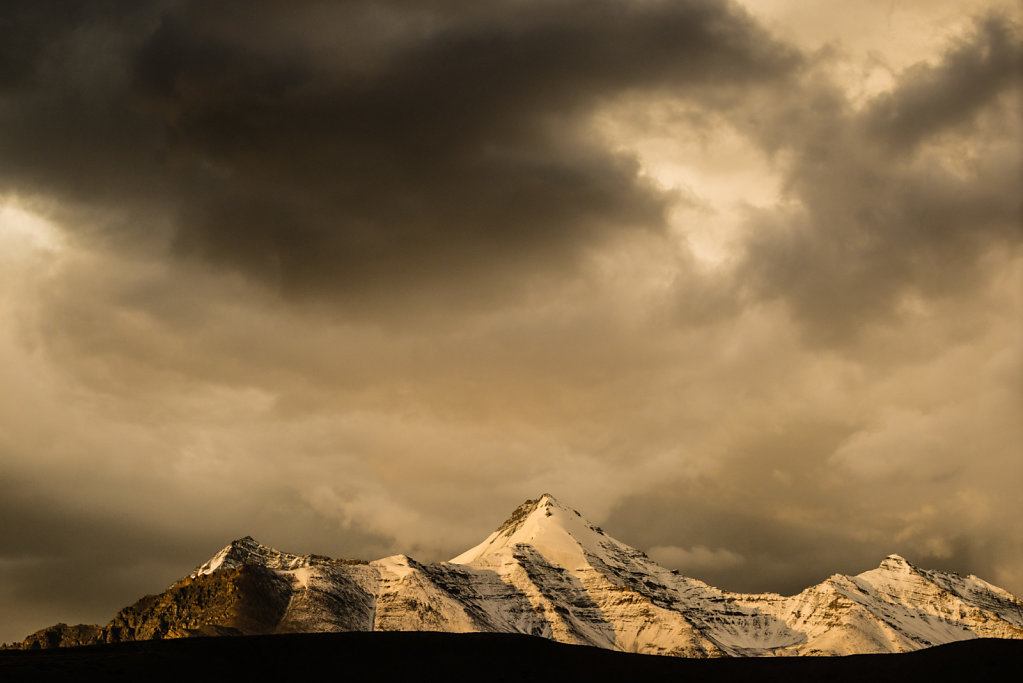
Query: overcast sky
x=743, y=283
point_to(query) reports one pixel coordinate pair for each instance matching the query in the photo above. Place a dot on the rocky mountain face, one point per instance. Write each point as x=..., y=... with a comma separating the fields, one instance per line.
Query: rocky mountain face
x=550, y=573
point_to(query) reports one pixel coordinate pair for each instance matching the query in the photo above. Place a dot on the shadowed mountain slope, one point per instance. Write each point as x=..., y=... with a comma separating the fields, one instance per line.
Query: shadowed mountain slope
x=549, y=572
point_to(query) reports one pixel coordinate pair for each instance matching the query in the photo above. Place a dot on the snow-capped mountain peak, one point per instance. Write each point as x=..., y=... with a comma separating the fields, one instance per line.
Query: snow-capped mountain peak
x=249, y=551
x=234, y=554
x=547, y=571
x=543, y=525
x=896, y=563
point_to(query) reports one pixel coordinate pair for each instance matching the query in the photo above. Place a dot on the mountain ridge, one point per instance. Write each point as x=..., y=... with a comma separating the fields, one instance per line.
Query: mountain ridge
x=548, y=572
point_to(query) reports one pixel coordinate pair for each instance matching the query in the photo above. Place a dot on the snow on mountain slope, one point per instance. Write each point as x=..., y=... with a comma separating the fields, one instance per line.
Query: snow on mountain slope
x=324, y=594
x=248, y=551
x=589, y=588
x=896, y=607
x=946, y=596
x=549, y=572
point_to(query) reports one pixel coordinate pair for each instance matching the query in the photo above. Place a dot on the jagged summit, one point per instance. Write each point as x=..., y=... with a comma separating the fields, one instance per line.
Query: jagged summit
x=896, y=563
x=520, y=514
x=248, y=551
x=238, y=552
x=545, y=526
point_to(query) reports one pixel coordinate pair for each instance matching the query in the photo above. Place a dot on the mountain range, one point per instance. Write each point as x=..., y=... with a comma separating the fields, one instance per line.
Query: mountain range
x=548, y=572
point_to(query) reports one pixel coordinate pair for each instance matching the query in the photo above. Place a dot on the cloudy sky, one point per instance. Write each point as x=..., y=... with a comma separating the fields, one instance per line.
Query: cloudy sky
x=743, y=282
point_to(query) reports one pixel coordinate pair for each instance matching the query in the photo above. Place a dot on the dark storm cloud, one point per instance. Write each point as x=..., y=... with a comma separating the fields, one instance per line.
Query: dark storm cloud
x=72, y=135
x=456, y=144
x=929, y=98
x=883, y=208
x=28, y=29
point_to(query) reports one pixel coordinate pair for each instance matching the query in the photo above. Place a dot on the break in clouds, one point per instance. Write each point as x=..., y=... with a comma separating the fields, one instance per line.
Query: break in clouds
x=741, y=283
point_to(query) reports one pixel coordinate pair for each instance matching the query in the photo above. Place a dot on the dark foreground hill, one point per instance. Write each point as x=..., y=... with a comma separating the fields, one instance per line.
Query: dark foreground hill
x=490, y=658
